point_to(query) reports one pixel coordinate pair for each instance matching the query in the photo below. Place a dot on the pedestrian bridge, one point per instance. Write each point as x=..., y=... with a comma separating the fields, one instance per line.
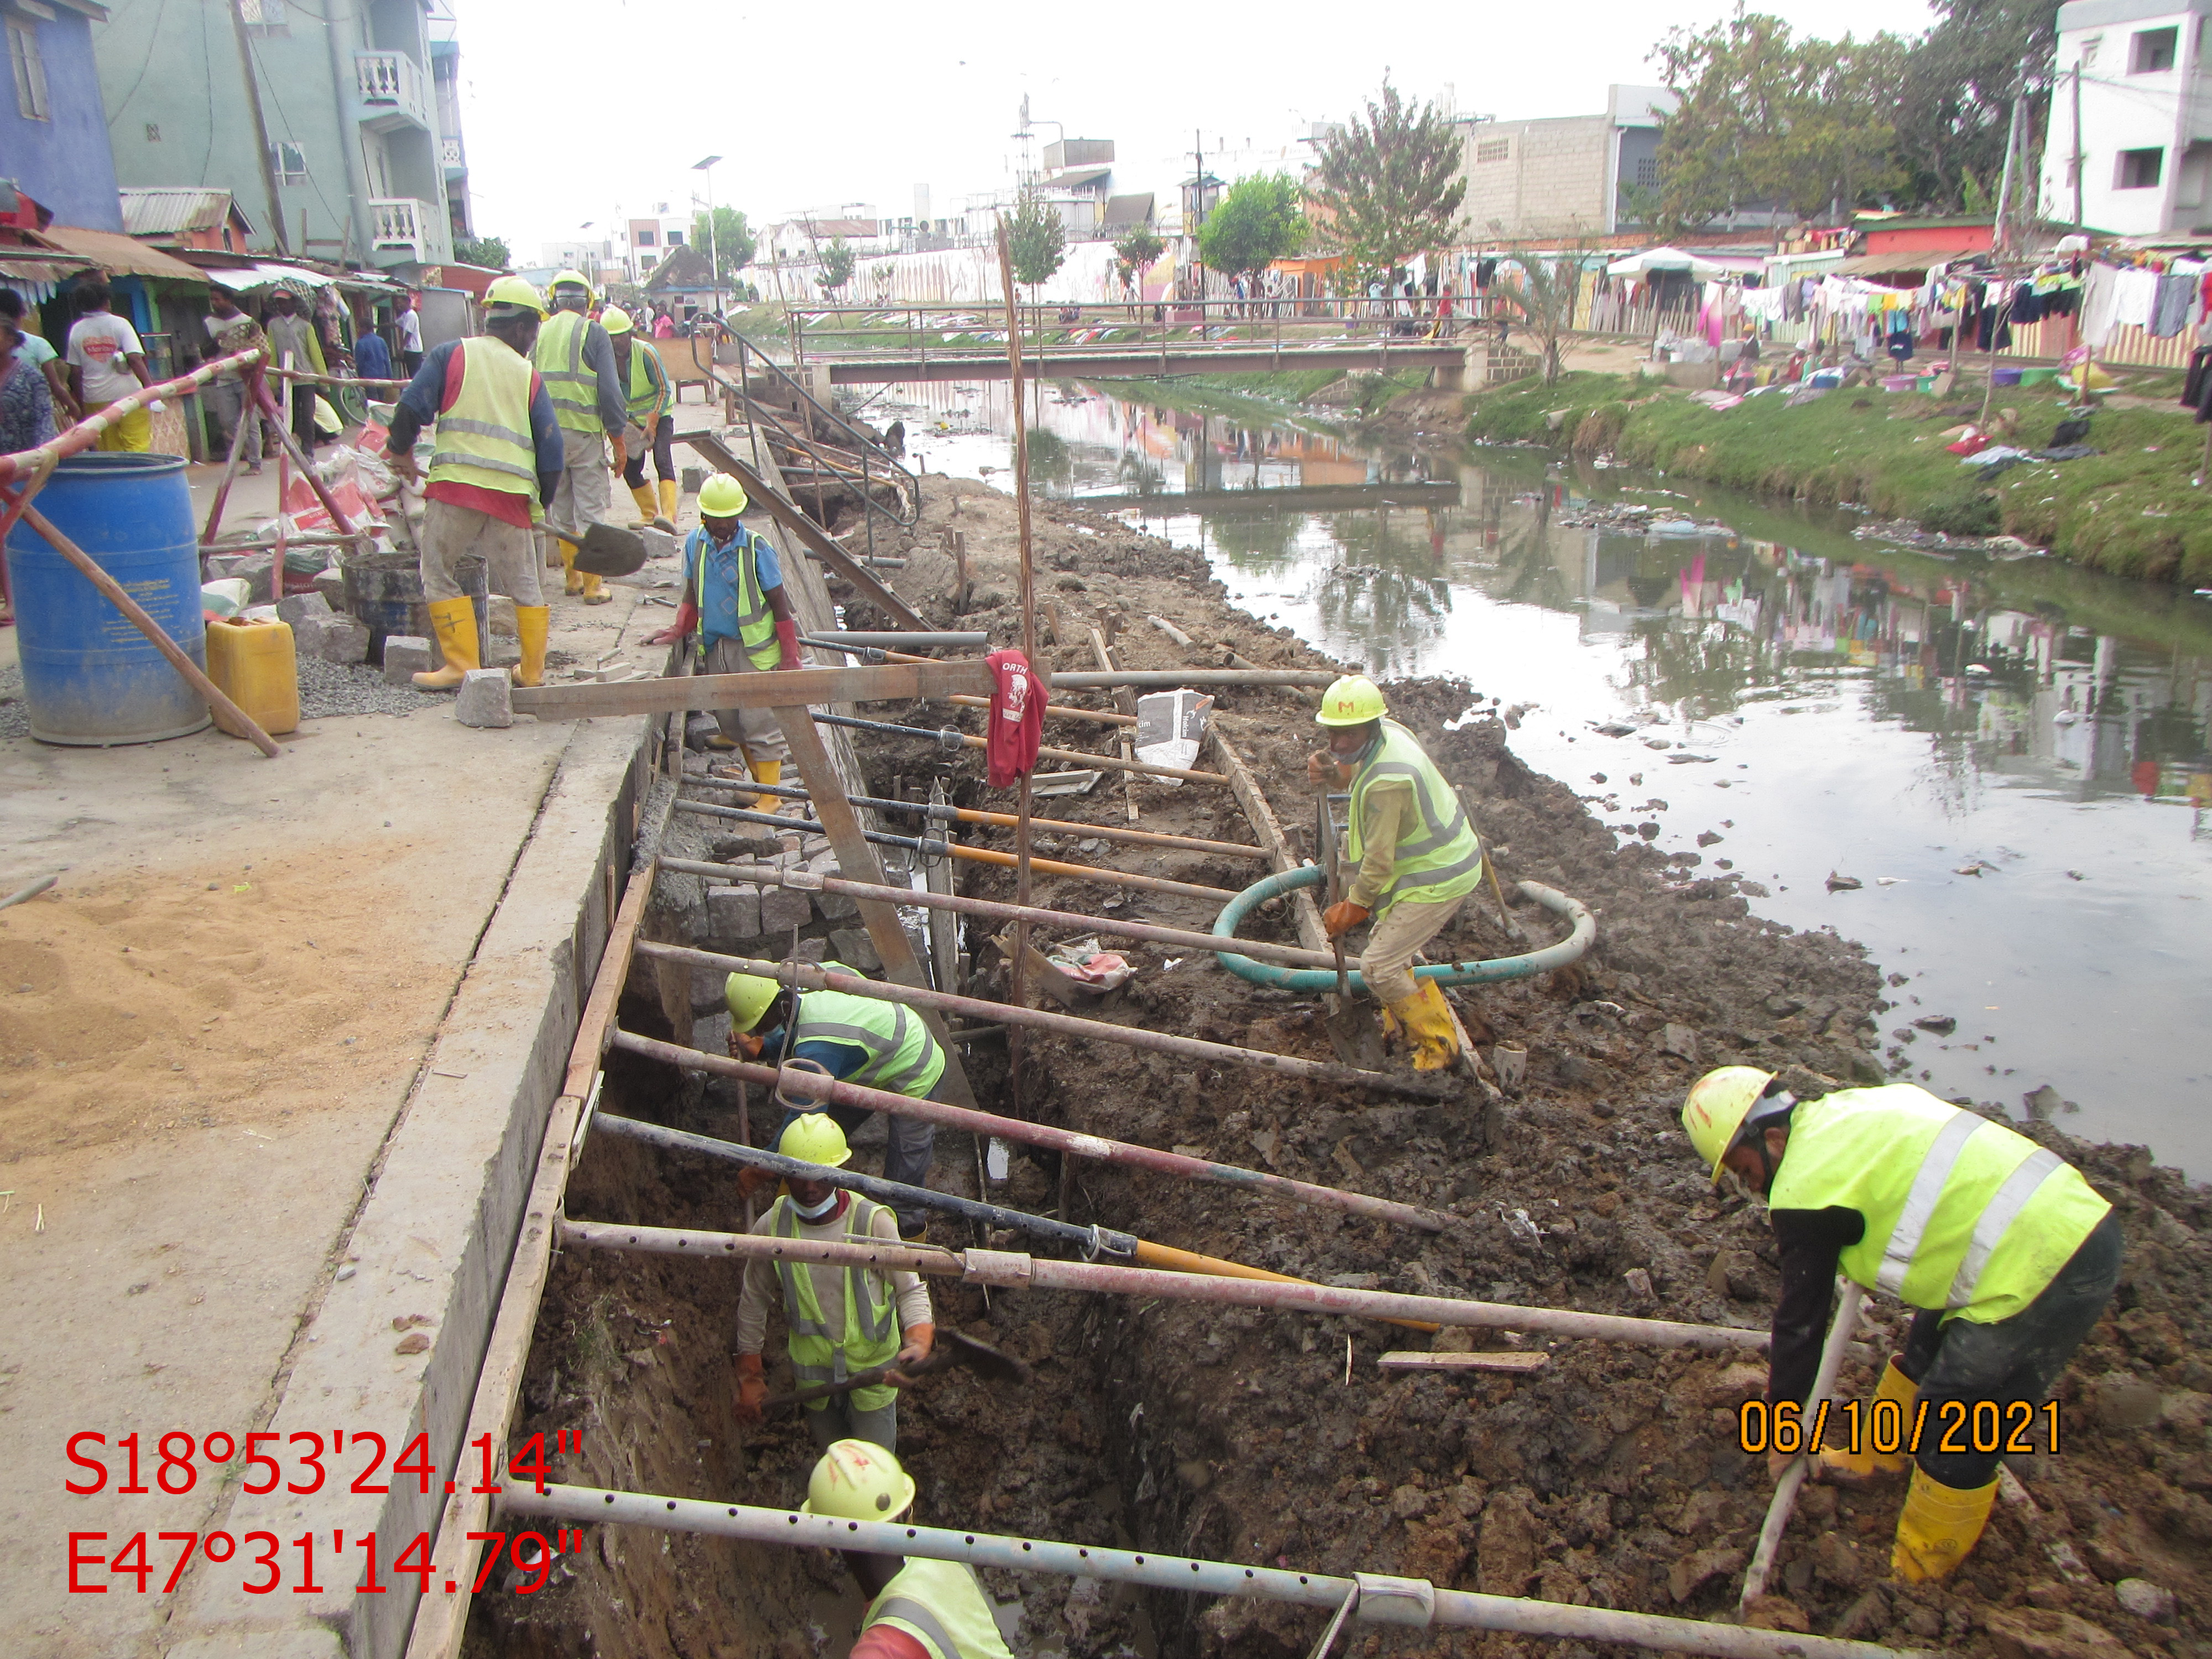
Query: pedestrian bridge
x=1134, y=362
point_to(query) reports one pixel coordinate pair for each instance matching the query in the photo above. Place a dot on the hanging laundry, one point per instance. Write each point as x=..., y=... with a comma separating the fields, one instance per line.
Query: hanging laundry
x=2138, y=292
x=2170, y=309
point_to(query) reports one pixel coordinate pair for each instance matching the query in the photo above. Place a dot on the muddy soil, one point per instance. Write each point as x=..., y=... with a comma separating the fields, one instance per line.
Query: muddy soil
x=1612, y=1476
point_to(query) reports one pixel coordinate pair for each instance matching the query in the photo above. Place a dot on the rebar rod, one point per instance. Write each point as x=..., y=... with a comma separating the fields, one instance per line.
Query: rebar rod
x=948, y=737
x=1382, y=1600
x=1146, y=679
x=1092, y=1241
x=1002, y=820
x=969, y=854
x=809, y=976
x=990, y=909
x=1010, y=1267
x=25, y=463
x=1051, y=1139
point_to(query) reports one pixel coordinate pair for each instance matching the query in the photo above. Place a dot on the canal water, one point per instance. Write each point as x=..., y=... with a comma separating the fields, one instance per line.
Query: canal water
x=1775, y=694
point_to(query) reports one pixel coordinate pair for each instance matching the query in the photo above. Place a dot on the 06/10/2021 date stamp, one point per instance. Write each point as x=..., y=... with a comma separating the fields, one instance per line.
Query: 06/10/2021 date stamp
x=342, y=1462
x=1888, y=1429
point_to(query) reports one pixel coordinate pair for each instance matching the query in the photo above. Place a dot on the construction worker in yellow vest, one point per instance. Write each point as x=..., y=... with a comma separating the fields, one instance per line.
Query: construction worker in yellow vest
x=1417, y=857
x=2006, y=1255
x=578, y=362
x=840, y=1321
x=917, y=1608
x=739, y=618
x=496, y=460
x=865, y=1040
x=644, y=380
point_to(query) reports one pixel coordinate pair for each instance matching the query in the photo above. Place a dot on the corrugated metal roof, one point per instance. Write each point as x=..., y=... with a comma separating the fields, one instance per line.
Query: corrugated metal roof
x=124, y=256
x=1072, y=177
x=1135, y=210
x=149, y=212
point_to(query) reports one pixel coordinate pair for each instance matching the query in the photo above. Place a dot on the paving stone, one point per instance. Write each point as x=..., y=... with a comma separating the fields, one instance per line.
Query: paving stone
x=733, y=912
x=296, y=608
x=782, y=908
x=404, y=655
x=345, y=640
x=853, y=947
x=486, y=697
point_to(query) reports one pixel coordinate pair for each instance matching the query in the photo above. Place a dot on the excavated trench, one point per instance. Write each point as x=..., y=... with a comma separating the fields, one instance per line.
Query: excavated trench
x=1611, y=1476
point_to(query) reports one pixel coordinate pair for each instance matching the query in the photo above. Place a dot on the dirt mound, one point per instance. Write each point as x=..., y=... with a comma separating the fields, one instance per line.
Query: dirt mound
x=1611, y=1476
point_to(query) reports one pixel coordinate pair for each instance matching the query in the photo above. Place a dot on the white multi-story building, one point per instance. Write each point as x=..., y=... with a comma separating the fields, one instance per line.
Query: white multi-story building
x=2144, y=158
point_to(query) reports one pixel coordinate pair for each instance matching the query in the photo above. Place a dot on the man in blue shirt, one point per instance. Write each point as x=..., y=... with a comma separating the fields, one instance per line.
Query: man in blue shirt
x=735, y=603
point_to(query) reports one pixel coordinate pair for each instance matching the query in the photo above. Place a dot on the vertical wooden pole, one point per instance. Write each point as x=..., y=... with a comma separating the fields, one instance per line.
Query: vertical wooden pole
x=249, y=410
x=1028, y=647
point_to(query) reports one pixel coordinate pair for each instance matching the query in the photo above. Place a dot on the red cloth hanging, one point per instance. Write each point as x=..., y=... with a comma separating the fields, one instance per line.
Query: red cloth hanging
x=1016, y=719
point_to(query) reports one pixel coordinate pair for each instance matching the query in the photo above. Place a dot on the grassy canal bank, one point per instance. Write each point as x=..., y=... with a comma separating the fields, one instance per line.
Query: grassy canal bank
x=2132, y=509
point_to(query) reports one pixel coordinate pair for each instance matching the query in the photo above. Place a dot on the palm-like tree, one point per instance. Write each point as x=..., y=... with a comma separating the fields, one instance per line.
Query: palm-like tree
x=1545, y=300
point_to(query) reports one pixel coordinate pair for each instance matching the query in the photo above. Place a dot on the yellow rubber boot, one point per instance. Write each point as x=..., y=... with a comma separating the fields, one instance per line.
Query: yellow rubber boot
x=1938, y=1527
x=455, y=621
x=771, y=772
x=1840, y=1463
x=668, y=519
x=530, y=622
x=575, y=582
x=642, y=495
x=595, y=590
x=1429, y=1023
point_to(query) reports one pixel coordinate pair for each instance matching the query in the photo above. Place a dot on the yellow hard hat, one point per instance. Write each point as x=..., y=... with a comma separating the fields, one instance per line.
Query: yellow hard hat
x=721, y=497
x=514, y=291
x=1354, y=700
x=858, y=1480
x=615, y=320
x=1715, y=1107
x=815, y=1138
x=749, y=997
x=571, y=278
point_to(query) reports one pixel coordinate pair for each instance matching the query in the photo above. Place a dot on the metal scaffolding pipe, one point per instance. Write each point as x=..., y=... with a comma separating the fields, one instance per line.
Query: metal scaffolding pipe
x=807, y=975
x=1046, y=1135
x=968, y=854
x=1169, y=679
x=775, y=875
x=849, y=642
x=1092, y=1241
x=1382, y=1600
x=1001, y=820
x=951, y=738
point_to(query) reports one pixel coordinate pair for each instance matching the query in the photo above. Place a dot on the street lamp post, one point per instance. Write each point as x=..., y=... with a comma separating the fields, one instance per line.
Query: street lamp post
x=713, y=259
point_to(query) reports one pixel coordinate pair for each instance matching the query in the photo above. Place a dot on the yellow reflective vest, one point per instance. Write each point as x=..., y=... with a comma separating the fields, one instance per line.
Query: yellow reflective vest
x=648, y=382
x=942, y=1605
x=1962, y=1214
x=1438, y=855
x=902, y=1057
x=870, y=1336
x=573, y=386
x=485, y=438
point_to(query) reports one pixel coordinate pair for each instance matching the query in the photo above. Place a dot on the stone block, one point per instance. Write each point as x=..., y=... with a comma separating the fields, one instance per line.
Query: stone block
x=405, y=654
x=485, y=698
x=296, y=608
x=853, y=947
x=659, y=543
x=837, y=907
x=310, y=635
x=812, y=848
x=345, y=640
x=330, y=583
x=733, y=912
x=783, y=909
x=502, y=644
x=808, y=950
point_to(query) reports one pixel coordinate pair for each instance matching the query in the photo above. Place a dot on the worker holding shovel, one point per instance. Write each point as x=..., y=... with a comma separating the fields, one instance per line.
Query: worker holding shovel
x=1418, y=858
x=841, y=1321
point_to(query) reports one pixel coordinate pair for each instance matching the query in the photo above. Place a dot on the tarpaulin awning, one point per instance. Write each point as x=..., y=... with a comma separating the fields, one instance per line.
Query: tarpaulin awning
x=1703, y=266
x=46, y=269
x=121, y=255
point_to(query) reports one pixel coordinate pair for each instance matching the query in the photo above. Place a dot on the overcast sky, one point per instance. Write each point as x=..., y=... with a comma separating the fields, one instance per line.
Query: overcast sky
x=861, y=102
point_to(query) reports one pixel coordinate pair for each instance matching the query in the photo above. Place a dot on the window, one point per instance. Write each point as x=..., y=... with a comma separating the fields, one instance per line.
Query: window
x=1492, y=149
x=263, y=16
x=2089, y=51
x=2140, y=169
x=31, y=101
x=676, y=238
x=2153, y=52
x=646, y=238
x=1646, y=171
x=290, y=162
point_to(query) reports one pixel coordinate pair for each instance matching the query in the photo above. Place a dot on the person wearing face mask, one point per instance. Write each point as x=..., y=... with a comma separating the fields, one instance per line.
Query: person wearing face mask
x=839, y=1321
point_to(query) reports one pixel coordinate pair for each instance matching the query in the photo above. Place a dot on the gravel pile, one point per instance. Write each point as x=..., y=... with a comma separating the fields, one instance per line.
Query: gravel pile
x=15, y=720
x=329, y=688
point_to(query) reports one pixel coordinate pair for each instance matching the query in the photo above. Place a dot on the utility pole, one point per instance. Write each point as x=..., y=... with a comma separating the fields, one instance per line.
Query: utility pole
x=260, y=125
x=1999, y=236
x=2080, y=220
x=1198, y=215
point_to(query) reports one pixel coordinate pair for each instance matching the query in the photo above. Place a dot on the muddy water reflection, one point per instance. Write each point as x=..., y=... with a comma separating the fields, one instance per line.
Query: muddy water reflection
x=1778, y=698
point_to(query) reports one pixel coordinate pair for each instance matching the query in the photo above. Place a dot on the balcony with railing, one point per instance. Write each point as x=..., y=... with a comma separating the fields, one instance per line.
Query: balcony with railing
x=392, y=90
x=400, y=229
x=450, y=156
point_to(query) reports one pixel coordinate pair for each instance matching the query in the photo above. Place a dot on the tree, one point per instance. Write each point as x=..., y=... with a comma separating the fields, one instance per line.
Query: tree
x=489, y=252
x=1389, y=184
x=1807, y=125
x=1545, y=300
x=1260, y=219
x=1036, y=241
x=733, y=240
x=837, y=262
x=1956, y=102
x=1139, y=250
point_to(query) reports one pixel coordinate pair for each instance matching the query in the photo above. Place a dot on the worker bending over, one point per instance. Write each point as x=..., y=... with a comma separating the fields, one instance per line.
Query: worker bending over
x=839, y=1321
x=917, y=1608
x=578, y=362
x=644, y=380
x=495, y=464
x=864, y=1040
x=735, y=603
x=1418, y=858
x=2008, y=1256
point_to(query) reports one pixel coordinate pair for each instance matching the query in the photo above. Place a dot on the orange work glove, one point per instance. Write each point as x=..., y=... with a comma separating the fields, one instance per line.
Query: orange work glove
x=1342, y=917
x=1321, y=768
x=743, y=1045
x=752, y=1388
x=751, y=1179
x=920, y=1339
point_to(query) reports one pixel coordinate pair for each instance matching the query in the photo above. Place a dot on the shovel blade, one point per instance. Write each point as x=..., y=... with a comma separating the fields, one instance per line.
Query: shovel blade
x=994, y=1364
x=610, y=551
x=1353, y=1034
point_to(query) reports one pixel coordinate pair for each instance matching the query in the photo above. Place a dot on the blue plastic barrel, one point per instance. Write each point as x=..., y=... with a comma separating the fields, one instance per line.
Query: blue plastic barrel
x=89, y=676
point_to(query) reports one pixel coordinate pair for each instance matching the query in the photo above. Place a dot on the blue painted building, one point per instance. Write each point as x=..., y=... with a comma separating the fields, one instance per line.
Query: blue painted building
x=53, y=127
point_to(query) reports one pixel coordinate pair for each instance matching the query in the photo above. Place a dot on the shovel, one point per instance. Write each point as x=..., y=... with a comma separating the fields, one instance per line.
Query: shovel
x=1350, y=1029
x=610, y=551
x=950, y=1349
